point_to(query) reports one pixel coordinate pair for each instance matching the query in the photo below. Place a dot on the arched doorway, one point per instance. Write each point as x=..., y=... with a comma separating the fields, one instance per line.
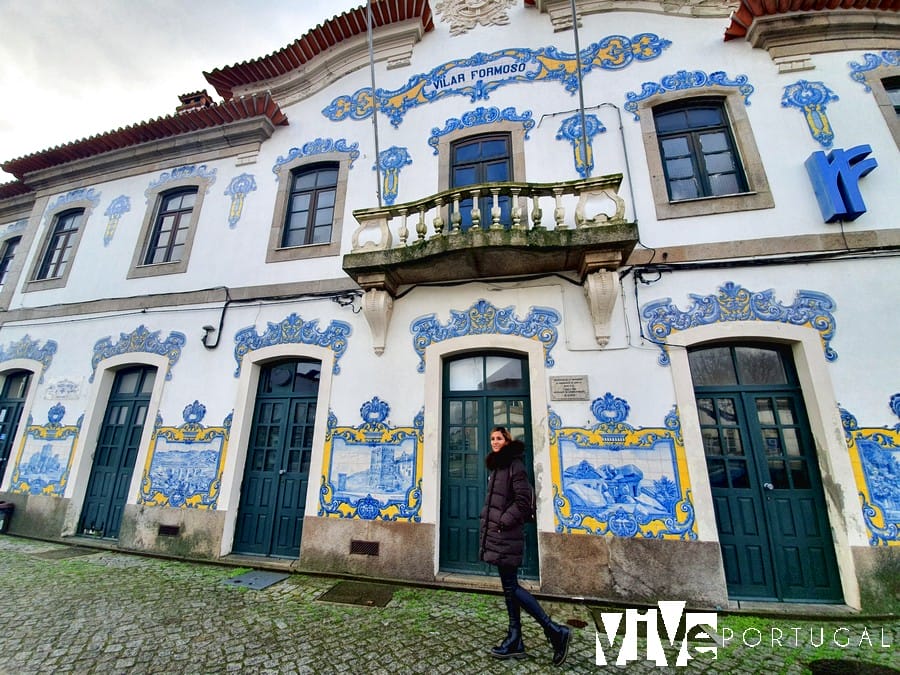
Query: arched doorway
x=764, y=476
x=480, y=391
x=276, y=471
x=12, y=400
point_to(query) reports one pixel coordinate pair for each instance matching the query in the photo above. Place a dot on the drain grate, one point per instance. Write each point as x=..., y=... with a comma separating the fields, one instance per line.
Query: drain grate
x=61, y=553
x=256, y=579
x=359, y=593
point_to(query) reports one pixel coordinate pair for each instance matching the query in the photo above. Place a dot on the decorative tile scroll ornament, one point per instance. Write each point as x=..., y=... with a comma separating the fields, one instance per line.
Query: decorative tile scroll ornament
x=477, y=76
x=391, y=161
x=570, y=130
x=44, y=459
x=687, y=79
x=875, y=458
x=483, y=318
x=140, y=340
x=478, y=117
x=812, y=98
x=871, y=62
x=184, y=464
x=238, y=189
x=320, y=146
x=373, y=471
x=17, y=226
x=614, y=479
x=180, y=173
x=736, y=303
x=293, y=330
x=26, y=348
x=464, y=15
x=81, y=194
x=117, y=207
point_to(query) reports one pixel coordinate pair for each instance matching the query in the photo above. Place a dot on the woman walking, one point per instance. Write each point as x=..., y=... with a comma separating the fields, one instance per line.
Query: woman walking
x=507, y=506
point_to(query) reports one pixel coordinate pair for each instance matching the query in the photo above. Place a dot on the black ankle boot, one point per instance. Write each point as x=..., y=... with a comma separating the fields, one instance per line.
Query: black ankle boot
x=512, y=646
x=559, y=637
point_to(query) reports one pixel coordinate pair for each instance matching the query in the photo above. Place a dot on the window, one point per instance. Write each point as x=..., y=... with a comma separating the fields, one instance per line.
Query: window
x=885, y=85
x=698, y=153
x=9, y=252
x=309, y=208
x=478, y=160
x=310, y=212
x=701, y=154
x=892, y=89
x=171, y=227
x=60, y=245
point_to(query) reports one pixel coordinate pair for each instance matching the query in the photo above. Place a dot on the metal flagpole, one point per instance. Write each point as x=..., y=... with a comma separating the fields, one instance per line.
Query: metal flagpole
x=584, y=141
x=374, y=100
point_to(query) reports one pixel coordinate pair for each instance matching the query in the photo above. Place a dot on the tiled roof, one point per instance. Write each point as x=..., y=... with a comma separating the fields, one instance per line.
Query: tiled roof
x=319, y=39
x=748, y=10
x=13, y=189
x=162, y=127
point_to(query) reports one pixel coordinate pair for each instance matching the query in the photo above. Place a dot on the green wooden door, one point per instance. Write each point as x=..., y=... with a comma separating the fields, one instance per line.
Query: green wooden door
x=480, y=392
x=12, y=398
x=276, y=472
x=116, y=452
x=766, y=487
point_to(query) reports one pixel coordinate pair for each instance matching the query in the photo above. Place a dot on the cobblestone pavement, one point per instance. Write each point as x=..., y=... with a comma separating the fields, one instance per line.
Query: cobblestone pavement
x=113, y=612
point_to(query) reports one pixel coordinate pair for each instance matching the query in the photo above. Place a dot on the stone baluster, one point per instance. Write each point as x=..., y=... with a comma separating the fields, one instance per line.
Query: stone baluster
x=421, y=227
x=404, y=230
x=536, y=213
x=559, y=213
x=476, y=211
x=455, y=216
x=438, y=221
x=495, y=210
x=515, y=210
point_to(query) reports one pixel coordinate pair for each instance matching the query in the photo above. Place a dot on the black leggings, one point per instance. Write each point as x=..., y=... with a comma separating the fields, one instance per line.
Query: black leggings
x=517, y=596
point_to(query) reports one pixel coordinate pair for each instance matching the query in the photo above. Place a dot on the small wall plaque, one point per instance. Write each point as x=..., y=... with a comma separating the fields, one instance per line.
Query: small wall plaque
x=569, y=388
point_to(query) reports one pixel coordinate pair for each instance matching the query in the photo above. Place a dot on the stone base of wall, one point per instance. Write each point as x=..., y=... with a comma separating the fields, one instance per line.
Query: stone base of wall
x=633, y=570
x=38, y=516
x=405, y=550
x=878, y=572
x=182, y=533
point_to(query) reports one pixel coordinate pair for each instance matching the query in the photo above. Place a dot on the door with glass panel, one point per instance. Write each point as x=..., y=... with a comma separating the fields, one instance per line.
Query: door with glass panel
x=12, y=399
x=116, y=452
x=481, y=160
x=767, y=490
x=276, y=471
x=480, y=392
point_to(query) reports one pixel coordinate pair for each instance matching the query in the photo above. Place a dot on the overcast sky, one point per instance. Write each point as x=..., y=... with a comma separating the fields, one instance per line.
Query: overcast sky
x=70, y=69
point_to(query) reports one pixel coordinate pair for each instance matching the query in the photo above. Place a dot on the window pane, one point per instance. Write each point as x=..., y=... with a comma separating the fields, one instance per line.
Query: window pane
x=684, y=189
x=503, y=373
x=714, y=142
x=733, y=444
x=704, y=117
x=496, y=172
x=305, y=181
x=464, y=175
x=712, y=366
x=724, y=184
x=792, y=442
x=727, y=414
x=679, y=168
x=720, y=162
x=675, y=147
x=466, y=374
x=778, y=474
x=322, y=235
x=325, y=198
x=716, y=469
x=672, y=121
x=467, y=152
x=327, y=178
x=324, y=217
x=737, y=470
x=759, y=366
x=493, y=148
x=300, y=202
x=711, y=443
x=765, y=411
x=772, y=441
x=786, y=413
x=706, y=411
x=799, y=474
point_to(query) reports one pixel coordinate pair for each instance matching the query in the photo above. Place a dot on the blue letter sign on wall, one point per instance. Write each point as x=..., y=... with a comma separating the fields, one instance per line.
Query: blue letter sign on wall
x=835, y=179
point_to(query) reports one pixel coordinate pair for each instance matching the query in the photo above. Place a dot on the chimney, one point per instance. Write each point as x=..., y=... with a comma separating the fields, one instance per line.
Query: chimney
x=194, y=100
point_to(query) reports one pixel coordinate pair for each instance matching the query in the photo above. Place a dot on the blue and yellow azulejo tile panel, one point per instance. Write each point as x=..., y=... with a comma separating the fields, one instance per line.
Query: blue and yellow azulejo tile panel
x=184, y=464
x=45, y=457
x=615, y=479
x=875, y=457
x=373, y=471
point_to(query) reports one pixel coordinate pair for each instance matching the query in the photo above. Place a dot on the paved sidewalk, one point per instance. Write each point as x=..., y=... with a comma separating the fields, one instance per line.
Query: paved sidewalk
x=111, y=612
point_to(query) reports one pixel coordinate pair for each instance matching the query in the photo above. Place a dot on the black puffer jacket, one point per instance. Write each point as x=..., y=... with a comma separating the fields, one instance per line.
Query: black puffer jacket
x=506, y=506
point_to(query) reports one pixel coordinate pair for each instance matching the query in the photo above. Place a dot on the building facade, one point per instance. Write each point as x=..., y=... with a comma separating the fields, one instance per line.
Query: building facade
x=659, y=243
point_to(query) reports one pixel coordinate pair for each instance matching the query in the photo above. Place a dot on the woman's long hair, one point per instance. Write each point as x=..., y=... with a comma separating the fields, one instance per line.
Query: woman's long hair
x=503, y=432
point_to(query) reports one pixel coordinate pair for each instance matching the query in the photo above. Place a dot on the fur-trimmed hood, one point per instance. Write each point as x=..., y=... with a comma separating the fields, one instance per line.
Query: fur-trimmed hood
x=505, y=456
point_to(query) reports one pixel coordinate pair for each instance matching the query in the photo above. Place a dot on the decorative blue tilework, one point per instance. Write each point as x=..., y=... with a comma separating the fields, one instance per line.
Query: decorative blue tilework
x=201, y=172
x=319, y=146
x=137, y=341
x=184, y=464
x=391, y=161
x=478, y=75
x=812, y=98
x=736, y=303
x=26, y=348
x=44, y=460
x=373, y=471
x=238, y=189
x=614, y=479
x=687, y=79
x=483, y=318
x=293, y=330
x=89, y=194
x=117, y=207
x=570, y=130
x=479, y=117
x=871, y=62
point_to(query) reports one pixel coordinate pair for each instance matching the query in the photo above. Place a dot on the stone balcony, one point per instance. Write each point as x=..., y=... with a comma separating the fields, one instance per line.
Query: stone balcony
x=577, y=228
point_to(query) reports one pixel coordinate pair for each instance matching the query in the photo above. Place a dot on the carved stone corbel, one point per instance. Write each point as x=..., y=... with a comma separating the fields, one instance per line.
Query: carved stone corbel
x=601, y=288
x=377, y=307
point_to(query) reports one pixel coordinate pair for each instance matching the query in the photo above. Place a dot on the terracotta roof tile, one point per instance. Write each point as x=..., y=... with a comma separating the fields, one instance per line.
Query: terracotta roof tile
x=748, y=10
